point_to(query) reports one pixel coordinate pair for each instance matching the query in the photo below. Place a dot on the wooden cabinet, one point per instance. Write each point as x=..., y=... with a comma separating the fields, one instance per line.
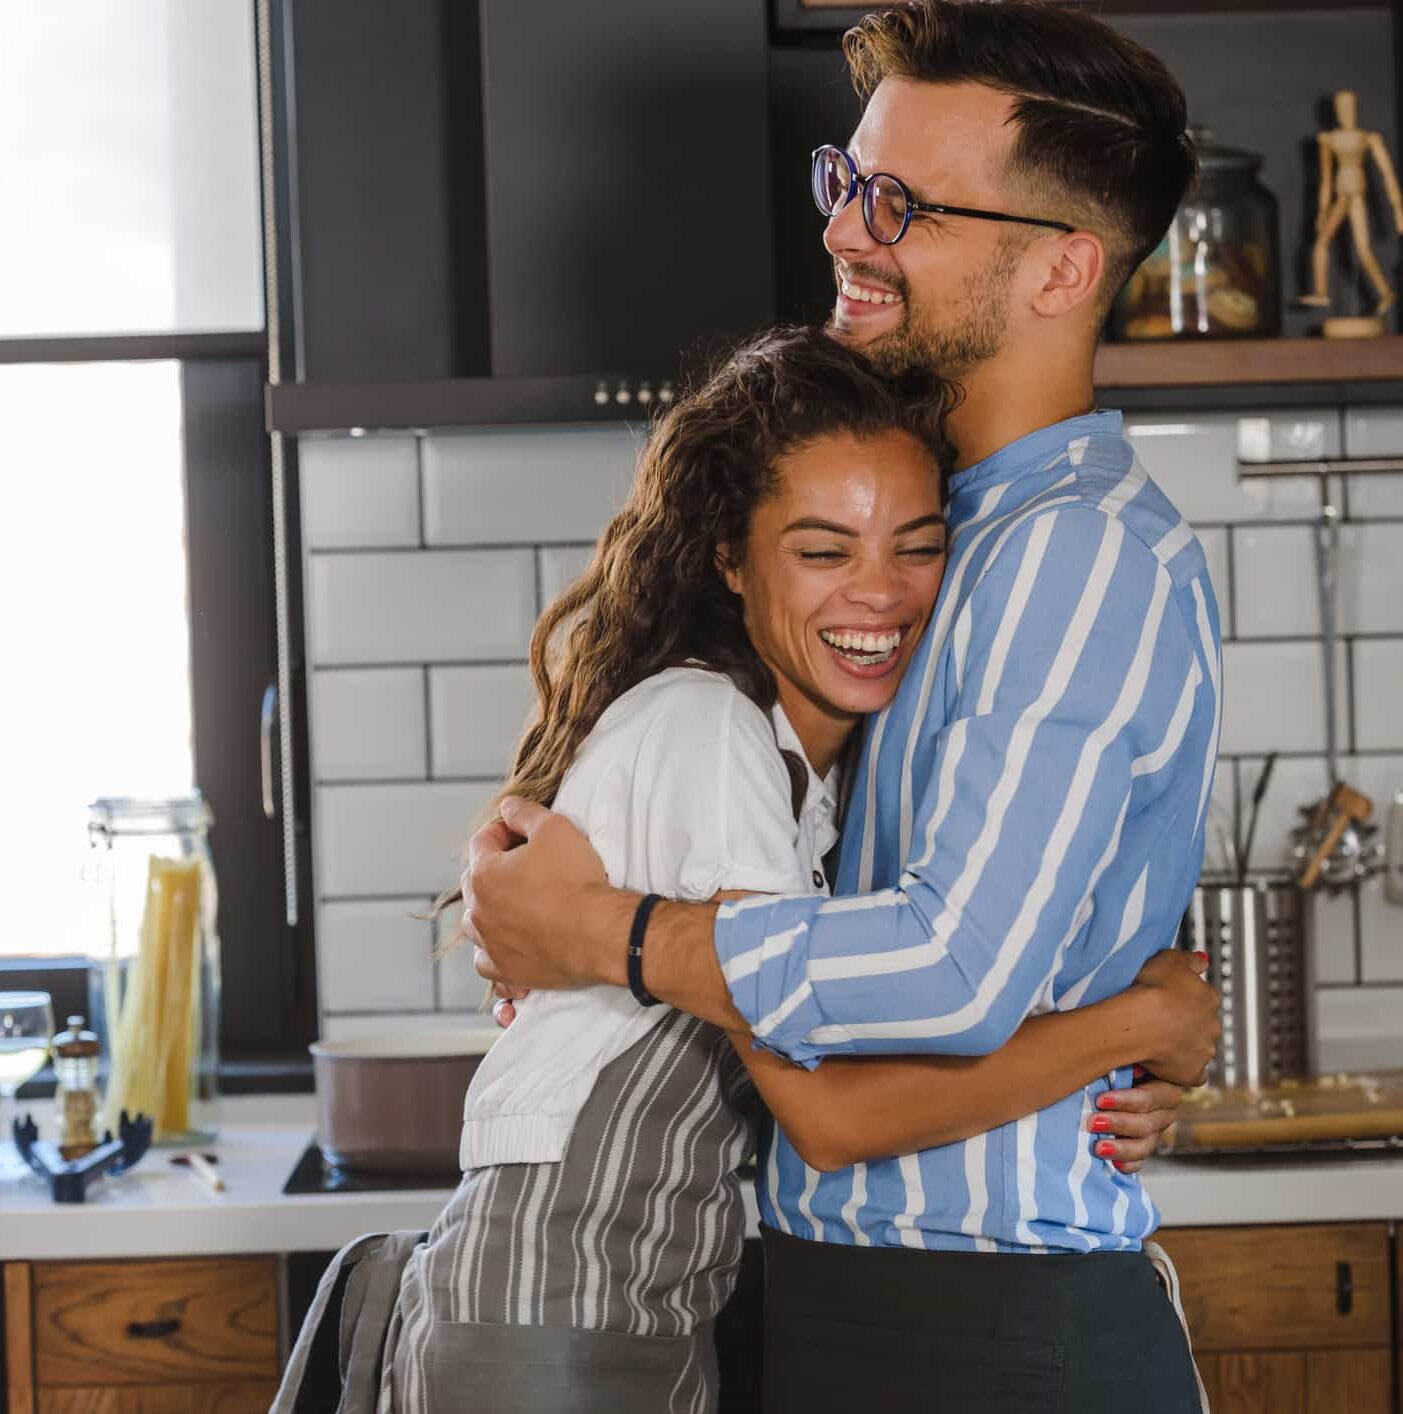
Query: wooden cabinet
x=169, y=1337
x=1290, y=1320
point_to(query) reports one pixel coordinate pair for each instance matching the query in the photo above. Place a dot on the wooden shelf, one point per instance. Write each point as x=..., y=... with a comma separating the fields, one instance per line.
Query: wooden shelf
x=1204, y=363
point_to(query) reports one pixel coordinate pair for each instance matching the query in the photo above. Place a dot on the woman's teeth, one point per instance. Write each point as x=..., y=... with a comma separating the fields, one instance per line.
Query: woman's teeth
x=870, y=296
x=862, y=648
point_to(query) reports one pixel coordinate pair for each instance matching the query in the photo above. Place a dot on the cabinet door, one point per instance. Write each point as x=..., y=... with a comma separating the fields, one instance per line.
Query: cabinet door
x=1284, y=1288
x=1360, y=1381
x=249, y=1397
x=104, y=1324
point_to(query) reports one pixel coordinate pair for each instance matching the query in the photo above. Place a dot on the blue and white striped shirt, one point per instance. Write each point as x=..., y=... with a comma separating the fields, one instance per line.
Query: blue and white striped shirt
x=1026, y=827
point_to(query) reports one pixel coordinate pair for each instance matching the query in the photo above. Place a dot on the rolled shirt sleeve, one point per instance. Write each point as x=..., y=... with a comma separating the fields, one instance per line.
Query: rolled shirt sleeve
x=1061, y=688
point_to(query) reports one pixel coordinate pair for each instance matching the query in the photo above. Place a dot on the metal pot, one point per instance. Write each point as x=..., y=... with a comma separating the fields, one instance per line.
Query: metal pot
x=394, y=1103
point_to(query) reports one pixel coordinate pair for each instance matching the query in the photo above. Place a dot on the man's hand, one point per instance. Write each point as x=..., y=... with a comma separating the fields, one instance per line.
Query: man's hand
x=1183, y=1037
x=540, y=905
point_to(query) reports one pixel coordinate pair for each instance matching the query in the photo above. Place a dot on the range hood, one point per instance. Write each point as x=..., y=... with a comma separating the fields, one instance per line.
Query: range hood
x=510, y=210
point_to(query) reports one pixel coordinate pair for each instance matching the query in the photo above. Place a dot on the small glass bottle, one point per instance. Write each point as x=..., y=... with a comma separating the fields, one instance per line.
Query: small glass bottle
x=1216, y=273
x=75, y=1095
x=153, y=973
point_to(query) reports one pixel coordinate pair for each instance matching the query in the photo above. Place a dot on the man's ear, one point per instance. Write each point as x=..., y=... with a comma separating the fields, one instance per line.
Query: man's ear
x=728, y=570
x=1073, y=276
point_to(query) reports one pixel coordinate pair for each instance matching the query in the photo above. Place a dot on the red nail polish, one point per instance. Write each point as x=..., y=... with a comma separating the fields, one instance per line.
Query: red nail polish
x=1106, y=1102
x=1120, y=1166
x=1105, y=1149
x=1139, y=1072
x=1203, y=957
x=1100, y=1125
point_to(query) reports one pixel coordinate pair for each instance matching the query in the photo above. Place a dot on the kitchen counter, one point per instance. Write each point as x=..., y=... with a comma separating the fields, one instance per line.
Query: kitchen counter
x=160, y=1211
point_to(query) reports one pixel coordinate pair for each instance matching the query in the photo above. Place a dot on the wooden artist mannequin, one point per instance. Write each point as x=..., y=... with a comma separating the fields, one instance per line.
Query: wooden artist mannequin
x=1344, y=185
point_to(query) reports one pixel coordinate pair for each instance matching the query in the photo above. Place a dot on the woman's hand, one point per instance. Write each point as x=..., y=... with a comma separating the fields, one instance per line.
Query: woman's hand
x=1182, y=1027
x=1130, y=1123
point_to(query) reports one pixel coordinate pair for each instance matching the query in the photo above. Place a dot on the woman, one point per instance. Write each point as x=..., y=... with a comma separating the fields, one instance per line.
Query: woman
x=762, y=590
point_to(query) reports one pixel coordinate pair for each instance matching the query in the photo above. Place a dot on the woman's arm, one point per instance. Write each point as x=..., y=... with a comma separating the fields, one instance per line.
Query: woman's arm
x=853, y=1109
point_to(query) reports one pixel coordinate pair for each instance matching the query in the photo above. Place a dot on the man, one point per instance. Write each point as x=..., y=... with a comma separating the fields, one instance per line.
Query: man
x=1026, y=820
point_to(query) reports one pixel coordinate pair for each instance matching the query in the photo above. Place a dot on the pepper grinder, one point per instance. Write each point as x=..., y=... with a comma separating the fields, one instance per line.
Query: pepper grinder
x=75, y=1096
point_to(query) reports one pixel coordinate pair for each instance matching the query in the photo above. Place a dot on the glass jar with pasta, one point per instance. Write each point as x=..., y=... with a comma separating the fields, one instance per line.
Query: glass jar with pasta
x=153, y=969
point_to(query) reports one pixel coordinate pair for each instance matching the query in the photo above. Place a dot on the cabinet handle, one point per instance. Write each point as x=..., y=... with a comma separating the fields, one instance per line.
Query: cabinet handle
x=152, y=1330
x=1344, y=1288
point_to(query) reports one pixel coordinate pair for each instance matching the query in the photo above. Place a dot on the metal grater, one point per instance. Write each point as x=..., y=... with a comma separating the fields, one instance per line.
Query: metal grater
x=1261, y=963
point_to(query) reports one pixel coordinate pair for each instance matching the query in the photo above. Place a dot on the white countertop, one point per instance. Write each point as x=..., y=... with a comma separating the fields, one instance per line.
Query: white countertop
x=160, y=1211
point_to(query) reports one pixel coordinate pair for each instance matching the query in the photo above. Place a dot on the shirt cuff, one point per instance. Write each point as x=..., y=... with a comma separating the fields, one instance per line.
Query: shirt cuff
x=762, y=945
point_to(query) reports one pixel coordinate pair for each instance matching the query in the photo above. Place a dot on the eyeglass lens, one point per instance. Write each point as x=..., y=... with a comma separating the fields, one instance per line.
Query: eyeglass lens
x=883, y=198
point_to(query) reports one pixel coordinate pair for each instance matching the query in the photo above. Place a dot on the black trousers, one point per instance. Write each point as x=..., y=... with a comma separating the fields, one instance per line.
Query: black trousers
x=855, y=1328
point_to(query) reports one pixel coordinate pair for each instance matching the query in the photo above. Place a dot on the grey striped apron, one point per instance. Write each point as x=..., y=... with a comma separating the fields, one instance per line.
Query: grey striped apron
x=589, y=1286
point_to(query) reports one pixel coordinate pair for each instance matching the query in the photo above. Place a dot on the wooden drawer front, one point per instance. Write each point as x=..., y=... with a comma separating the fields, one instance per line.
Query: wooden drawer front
x=1279, y=1288
x=251, y=1397
x=143, y=1323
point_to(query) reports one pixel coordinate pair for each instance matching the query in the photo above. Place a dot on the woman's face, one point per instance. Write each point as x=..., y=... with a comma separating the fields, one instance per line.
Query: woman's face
x=841, y=572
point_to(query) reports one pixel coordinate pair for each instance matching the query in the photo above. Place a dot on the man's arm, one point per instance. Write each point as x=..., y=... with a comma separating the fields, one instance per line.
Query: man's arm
x=1079, y=687
x=910, y=969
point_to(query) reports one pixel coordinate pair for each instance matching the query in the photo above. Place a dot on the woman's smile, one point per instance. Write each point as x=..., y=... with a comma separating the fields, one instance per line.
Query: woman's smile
x=839, y=576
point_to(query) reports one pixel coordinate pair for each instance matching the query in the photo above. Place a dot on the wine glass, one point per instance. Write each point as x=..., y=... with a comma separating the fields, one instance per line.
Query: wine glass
x=26, y=1024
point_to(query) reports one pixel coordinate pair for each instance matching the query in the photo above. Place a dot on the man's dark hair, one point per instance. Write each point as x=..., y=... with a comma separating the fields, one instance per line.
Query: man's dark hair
x=1102, y=138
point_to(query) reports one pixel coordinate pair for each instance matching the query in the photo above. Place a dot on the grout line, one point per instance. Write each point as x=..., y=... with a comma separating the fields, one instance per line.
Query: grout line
x=446, y=547
x=536, y=565
x=361, y=781
x=428, y=728
x=368, y=665
x=1232, y=582
x=1388, y=986
x=1358, y=937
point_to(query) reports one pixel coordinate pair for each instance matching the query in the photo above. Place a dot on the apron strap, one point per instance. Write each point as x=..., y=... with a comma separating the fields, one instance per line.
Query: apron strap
x=1169, y=1280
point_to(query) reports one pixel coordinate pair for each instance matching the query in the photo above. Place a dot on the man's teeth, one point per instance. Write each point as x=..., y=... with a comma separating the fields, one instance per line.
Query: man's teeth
x=858, y=292
x=862, y=647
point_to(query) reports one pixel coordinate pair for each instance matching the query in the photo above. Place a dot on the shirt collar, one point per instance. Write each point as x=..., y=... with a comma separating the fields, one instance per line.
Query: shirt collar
x=820, y=793
x=1037, y=451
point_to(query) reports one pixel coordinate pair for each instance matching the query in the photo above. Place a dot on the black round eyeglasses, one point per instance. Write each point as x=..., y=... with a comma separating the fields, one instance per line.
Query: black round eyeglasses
x=887, y=203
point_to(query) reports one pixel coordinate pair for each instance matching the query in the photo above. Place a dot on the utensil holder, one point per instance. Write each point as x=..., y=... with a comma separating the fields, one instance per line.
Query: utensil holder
x=1261, y=961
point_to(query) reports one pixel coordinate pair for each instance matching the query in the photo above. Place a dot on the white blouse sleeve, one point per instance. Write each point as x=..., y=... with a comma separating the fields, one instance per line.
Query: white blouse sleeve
x=708, y=799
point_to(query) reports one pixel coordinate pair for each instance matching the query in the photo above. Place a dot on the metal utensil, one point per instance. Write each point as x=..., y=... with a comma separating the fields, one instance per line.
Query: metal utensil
x=1263, y=781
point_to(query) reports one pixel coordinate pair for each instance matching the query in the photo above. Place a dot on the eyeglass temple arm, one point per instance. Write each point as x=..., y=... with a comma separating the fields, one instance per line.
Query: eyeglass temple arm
x=990, y=215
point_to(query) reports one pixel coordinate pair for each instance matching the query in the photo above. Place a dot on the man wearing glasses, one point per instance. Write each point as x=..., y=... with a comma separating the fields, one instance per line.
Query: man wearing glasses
x=1026, y=818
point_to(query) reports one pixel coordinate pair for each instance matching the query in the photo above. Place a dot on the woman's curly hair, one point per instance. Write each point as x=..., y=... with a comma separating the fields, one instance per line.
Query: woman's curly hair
x=653, y=596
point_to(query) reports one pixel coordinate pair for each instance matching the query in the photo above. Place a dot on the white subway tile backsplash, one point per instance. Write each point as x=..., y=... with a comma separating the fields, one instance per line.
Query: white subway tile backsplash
x=1331, y=921
x=459, y=986
x=1371, y=578
x=359, y=492
x=1374, y=432
x=373, y=956
x=531, y=484
x=1378, y=689
x=1376, y=495
x=1215, y=550
x=420, y=606
x=1274, y=700
x=393, y=839
x=1359, y=1028
x=560, y=566
x=478, y=715
x=1194, y=460
x=367, y=724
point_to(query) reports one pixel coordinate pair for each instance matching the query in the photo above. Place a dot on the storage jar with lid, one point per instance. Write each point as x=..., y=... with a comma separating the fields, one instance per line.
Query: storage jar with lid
x=153, y=972
x=1215, y=274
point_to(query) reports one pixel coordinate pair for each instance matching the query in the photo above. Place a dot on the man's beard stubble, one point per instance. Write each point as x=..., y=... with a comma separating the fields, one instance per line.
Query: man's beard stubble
x=976, y=333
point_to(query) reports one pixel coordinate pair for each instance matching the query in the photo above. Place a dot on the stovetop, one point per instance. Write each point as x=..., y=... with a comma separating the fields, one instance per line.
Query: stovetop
x=314, y=1175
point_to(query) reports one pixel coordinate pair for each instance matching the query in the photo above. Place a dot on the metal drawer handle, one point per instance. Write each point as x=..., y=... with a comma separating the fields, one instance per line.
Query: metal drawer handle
x=1344, y=1288
x=153, y=1330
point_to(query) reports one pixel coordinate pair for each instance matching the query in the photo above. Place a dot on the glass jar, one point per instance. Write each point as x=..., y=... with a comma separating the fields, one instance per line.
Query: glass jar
x=1215, y=275
x=153, y=969
x=76, y=1091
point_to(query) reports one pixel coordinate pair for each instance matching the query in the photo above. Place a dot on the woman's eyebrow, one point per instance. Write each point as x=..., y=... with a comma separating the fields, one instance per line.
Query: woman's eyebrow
x=833, y=528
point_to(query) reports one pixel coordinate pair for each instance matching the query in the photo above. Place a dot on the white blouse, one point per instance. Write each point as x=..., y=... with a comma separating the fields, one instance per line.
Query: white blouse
x=681, y=789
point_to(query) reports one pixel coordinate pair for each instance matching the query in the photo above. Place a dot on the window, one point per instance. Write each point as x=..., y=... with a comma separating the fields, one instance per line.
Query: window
x=137, y=564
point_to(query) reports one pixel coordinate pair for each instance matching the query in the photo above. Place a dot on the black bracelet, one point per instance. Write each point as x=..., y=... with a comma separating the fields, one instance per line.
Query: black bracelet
x=635, y=950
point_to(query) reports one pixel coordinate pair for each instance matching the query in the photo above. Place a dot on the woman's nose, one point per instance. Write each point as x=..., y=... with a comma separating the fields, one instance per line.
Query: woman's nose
x=876, y=586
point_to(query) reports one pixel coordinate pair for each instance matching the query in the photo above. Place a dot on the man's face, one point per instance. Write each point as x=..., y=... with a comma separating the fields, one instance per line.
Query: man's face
x=953, y=276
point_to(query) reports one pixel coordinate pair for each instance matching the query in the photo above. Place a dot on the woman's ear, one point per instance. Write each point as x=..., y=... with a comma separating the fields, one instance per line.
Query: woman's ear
x=728, y=570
